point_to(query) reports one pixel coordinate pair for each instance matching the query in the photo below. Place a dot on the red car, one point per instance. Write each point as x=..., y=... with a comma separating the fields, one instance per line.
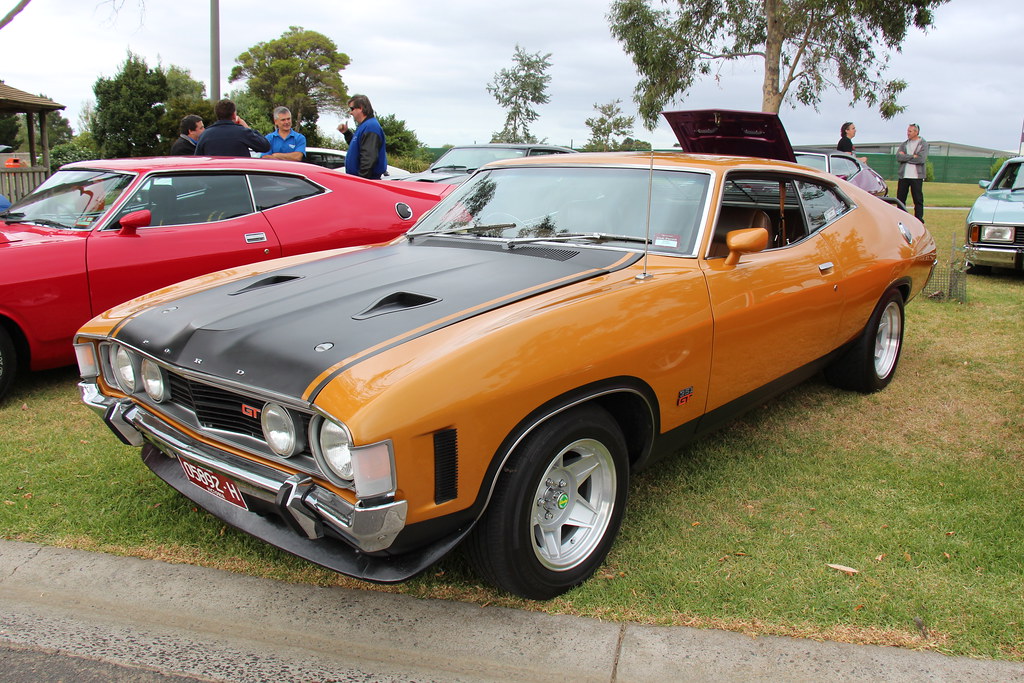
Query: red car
x=101, y=232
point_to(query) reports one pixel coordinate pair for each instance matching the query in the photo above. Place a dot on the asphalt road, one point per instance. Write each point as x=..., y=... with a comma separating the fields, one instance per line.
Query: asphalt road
x=68, y=615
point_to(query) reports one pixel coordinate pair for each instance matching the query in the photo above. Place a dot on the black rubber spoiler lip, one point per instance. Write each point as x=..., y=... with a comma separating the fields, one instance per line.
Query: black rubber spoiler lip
x=326, y=552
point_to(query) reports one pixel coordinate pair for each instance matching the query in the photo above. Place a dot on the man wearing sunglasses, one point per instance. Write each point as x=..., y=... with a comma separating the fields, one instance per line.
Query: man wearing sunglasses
x=366, y=156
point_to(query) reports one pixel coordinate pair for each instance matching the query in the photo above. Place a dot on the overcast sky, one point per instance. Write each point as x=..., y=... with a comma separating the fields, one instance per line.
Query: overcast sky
x=429, y=63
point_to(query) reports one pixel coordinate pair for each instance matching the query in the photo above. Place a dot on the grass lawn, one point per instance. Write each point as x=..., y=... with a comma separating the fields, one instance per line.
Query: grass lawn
x=944, y=194
x=917, y=488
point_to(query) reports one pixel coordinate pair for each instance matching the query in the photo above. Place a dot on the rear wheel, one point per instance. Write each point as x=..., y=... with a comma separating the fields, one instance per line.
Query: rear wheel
x=869, y=365
x=557, y=506
x=8, y=362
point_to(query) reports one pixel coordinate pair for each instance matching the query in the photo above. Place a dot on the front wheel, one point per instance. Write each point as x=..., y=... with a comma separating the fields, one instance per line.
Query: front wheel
x=8, y=362
x=557, y=506
x=869, y=365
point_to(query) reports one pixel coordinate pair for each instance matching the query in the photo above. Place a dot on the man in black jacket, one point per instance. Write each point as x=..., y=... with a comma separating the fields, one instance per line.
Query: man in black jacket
x=230, y=135
x=188, y=134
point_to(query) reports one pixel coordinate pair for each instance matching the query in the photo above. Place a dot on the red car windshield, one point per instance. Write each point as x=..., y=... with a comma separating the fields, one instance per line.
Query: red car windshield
x=72, y=200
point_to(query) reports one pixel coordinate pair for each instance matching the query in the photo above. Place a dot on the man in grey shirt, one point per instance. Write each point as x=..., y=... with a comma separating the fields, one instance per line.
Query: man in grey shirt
x=912, y=156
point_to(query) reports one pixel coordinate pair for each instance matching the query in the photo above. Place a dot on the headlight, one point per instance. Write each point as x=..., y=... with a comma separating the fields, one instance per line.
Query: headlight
x=335, y=449
x=124, y=369
x=997, y=233
x=153, y=381
x=280, y=431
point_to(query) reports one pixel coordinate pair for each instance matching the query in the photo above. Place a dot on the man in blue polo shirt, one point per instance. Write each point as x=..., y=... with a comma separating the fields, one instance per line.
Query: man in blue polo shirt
x=285, y=143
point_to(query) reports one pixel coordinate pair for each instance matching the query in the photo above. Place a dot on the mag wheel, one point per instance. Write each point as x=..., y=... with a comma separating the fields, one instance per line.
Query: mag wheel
x=869, y=365
x=557, y=507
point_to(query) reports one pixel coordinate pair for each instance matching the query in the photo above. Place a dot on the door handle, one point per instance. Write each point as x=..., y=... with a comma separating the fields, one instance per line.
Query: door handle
x=254, y=237
x=826, y=266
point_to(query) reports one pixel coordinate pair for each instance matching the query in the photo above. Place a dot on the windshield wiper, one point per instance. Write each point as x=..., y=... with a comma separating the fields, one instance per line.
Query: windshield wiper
x=474, y=229
x=450, y=167
x=568, y=237
x=12, y=217
x=46, y=222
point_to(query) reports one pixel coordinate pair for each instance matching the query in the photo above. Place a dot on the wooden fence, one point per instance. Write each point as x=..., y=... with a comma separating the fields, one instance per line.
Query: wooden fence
x=15, y=183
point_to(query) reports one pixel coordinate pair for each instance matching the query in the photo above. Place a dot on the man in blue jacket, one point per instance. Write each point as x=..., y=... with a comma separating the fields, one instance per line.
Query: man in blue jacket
x=366, y=156
x=230, y=135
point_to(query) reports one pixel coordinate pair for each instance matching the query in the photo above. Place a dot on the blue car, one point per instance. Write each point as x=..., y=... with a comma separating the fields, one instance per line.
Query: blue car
x=995, y=225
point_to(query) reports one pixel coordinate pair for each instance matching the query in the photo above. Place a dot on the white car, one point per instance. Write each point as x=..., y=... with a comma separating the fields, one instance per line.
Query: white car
x=335, y=158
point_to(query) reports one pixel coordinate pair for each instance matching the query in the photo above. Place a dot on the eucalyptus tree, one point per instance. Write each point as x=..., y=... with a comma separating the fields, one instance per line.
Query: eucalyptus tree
x=805, y=46
x=517, y=90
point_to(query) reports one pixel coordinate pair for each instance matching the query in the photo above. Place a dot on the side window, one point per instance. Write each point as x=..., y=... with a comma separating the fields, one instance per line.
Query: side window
x=768, y=201
x=275, y=190
x=821, y=204
x=543, y=152
x=190, y=199
x=843, y=167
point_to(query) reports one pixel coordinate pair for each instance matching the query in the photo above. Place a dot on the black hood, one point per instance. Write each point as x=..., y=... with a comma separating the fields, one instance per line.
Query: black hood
x=280, y=330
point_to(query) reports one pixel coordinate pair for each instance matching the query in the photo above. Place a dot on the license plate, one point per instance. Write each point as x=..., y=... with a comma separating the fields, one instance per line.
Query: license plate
x=214, y=483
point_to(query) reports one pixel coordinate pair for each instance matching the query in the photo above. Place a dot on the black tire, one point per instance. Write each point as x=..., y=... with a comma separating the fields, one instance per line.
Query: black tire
x=8, y=362
x=533, y=540
x=869, y=365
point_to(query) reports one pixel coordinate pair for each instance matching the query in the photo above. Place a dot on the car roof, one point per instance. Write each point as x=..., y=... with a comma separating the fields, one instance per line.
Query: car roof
x=730, y=132
x=660, y=160
x=145, y=164
x=512, y=145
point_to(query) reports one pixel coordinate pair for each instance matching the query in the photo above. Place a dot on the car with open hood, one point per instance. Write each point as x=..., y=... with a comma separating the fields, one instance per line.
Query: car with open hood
x=995, y=224
x=497, y=375
x=97, y=233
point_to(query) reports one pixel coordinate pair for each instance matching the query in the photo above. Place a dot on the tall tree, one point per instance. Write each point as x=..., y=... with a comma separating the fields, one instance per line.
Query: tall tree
x=115, y=5
x=401, y=142
x=185, y=95
x=609, y=124
x=517, y=90
x=10, y=130
x=300, y=70
x=806, y=46
x=129, y=110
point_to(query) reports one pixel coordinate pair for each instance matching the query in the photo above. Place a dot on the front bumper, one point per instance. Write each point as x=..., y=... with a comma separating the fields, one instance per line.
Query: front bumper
x=312, y=518
x=999, y=257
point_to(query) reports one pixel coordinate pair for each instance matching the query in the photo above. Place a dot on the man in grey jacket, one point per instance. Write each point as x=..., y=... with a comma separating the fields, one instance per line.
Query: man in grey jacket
x=912, y=156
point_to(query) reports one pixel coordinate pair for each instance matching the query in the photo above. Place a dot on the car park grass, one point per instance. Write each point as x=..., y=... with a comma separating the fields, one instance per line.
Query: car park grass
x=945, y=194
x=916, y=488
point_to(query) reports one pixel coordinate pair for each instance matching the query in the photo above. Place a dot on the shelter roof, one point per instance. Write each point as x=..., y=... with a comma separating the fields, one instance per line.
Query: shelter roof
x=19, y=101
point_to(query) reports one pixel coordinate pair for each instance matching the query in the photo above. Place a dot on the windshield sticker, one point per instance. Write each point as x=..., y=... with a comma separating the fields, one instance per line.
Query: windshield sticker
x=84, y=221
x=665, y=240
x=830, y=214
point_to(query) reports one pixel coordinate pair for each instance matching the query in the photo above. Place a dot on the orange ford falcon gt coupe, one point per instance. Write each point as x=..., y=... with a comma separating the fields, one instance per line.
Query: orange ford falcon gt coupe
x=496, y=375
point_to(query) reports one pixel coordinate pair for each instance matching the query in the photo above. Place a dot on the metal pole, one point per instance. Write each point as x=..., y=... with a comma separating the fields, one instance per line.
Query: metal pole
x=214, y=50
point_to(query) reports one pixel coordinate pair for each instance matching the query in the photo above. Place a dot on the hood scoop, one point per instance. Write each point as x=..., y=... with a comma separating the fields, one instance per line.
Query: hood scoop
x=397, y=301
x=266, y=282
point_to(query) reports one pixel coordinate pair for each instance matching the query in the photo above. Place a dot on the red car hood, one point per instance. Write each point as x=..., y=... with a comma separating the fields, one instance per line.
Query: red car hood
x=18, y=232
x=731, y=133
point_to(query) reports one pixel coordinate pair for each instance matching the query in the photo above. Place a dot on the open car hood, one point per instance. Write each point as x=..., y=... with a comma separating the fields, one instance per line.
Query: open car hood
x=731, y=133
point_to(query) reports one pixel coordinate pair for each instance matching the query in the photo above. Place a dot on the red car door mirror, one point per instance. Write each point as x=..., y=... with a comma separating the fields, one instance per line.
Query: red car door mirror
x=131, y=222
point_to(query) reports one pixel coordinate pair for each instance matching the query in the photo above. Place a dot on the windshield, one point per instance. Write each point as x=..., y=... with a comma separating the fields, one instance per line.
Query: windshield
x=813, y=160
x=578, y=202
x=472, y=158
x=1010, y=178
x=74, y=200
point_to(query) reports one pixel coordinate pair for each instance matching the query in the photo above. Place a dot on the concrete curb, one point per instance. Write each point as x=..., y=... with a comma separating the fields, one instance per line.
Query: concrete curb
x=214, y=625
